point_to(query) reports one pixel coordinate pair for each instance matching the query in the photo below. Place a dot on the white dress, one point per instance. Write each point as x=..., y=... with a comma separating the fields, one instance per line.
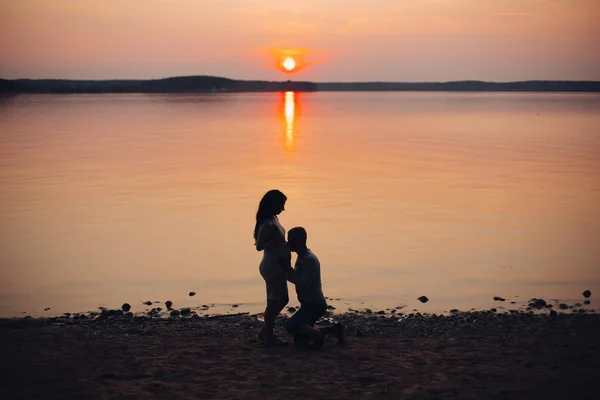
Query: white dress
x=271, y=237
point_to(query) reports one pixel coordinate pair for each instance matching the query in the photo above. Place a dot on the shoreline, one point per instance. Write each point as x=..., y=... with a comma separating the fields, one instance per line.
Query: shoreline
x=190, y=306
x=468, y=355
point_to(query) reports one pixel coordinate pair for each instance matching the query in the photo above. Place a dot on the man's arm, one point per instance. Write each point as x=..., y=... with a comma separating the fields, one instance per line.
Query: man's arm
x=285, y=262
x=290, y=273
x=304, y=274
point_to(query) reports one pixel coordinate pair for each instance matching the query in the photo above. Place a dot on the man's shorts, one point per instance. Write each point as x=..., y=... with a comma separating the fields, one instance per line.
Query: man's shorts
x=308, y=314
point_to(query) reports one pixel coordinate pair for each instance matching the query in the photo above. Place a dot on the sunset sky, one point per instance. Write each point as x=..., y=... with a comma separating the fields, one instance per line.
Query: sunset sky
x=344, y=40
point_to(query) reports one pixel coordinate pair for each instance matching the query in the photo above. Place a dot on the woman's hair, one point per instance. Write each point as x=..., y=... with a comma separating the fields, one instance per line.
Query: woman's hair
x=269, y=206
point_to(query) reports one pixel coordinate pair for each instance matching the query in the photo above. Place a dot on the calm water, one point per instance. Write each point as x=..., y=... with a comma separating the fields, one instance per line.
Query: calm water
x=108, y=199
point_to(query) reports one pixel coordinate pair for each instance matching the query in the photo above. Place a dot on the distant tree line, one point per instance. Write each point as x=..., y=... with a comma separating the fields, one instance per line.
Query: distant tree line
x=466, y=86
x=209, y=84
x=189, y=84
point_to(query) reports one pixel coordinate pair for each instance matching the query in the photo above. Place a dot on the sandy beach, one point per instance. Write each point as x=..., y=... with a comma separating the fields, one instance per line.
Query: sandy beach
x=475, y=355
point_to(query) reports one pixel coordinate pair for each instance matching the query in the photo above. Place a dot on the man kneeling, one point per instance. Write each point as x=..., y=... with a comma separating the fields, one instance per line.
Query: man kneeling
x=306, y=275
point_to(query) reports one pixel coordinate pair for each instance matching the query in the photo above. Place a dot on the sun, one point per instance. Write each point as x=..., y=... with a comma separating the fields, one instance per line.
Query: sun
x=289, y=64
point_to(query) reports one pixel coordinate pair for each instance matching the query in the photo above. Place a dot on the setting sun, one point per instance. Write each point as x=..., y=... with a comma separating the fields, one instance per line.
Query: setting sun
x=289, y=60
x=289, y=64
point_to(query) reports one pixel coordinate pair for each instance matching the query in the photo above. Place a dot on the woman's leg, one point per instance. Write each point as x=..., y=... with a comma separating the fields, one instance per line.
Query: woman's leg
x=274, y=307
x=277, y=299
x=269, y=318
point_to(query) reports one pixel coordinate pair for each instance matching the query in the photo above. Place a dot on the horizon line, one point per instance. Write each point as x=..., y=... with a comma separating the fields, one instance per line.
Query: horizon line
x=294, y=81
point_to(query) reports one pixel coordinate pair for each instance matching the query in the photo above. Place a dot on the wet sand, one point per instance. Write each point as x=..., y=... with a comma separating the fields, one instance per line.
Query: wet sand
x=478, y=355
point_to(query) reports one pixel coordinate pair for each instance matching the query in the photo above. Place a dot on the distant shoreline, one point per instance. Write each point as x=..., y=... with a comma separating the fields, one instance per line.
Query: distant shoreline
x=211, y=84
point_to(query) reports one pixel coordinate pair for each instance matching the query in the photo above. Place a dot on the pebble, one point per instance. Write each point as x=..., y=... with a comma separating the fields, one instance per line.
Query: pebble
x=186, y=311
x=148, y=303
x=587, y=302
x=192, y=294
x=291, y=310
x=587, y=294
x=454, y=311
x=497, y=298
x=47, y=309
x=168, y=304
x=126, y=307
x=235, y=306
x=563, y=306
x=175, y=313
x=423, y=299
x=537, y=303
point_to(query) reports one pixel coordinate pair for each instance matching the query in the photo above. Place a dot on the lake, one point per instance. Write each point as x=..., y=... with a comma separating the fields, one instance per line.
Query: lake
x=107, y=199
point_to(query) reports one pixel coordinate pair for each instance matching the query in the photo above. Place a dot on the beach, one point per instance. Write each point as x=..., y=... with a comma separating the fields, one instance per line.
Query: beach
x=472, y=355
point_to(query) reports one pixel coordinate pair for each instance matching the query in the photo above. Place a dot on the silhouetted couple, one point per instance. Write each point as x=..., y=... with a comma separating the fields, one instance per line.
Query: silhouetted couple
x=276, y=269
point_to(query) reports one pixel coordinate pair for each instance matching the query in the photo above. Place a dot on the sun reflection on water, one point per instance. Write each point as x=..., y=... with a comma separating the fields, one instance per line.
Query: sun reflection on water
x=289, y=138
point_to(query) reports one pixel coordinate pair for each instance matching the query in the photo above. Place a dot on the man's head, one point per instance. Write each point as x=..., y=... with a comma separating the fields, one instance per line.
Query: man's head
x=297, y=239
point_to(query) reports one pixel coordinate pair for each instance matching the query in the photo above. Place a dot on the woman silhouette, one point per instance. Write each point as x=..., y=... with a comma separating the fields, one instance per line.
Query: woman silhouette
x=269, y=236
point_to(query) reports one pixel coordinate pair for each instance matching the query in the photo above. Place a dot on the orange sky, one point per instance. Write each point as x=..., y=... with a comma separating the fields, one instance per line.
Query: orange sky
x=349, y=40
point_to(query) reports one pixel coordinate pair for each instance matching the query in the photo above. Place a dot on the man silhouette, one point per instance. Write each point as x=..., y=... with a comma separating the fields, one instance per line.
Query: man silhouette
x=306, y=275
